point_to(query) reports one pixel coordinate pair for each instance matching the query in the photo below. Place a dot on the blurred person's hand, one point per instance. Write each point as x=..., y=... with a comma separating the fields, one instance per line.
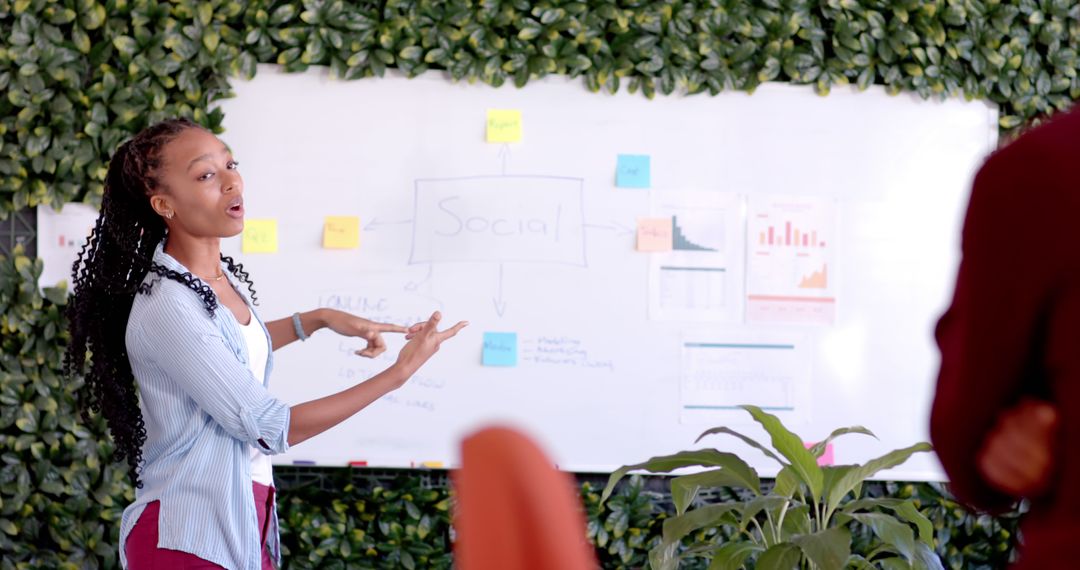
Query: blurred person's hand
x=1017, y=456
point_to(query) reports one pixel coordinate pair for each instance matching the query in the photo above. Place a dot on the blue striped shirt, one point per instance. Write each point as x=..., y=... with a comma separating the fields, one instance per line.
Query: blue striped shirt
x=204, y=410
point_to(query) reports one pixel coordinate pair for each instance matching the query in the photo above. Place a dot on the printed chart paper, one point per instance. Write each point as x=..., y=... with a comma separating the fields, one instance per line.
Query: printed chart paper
x=721, y=372
x=791, y=260
x=701, y=278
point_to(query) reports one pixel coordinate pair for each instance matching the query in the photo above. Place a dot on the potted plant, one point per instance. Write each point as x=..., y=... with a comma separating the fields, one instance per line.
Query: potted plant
x=804, y=520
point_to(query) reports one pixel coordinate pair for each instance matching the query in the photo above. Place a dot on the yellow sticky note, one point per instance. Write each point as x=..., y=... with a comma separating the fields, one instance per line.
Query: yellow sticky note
x=341, y=232
x=654, y=234
x=503, y=125
x=260, y=236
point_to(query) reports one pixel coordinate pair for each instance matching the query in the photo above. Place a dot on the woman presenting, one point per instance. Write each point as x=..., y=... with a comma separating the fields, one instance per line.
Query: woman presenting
x=176, y=360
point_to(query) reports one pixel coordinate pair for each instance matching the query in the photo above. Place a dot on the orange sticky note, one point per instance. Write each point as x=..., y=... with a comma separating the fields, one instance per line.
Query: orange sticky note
x=341, y=232
x=503, y=125
x=654, y=234
x=260, y=236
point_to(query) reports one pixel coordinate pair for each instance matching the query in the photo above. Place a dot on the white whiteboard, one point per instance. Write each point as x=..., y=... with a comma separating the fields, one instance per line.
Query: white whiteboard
x=599, y=383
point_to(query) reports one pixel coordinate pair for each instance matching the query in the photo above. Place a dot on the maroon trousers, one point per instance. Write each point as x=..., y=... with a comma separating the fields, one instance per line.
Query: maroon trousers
x=143, y=552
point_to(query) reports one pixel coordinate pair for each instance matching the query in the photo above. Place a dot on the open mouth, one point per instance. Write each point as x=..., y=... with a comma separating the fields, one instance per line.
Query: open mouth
x=236, y=209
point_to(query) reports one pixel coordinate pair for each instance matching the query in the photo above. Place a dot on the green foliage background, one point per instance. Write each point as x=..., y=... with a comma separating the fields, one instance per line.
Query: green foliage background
x=77, y=77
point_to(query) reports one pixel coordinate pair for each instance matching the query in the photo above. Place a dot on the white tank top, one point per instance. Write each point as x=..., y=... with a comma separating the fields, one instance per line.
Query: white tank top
x=258, y=350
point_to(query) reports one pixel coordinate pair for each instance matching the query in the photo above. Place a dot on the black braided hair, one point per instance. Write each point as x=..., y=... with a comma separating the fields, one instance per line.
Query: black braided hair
x=237, y=269
x=110, y=270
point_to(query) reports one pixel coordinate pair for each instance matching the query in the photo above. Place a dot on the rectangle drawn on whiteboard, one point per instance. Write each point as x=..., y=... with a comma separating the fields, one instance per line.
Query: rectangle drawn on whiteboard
x=499, y=219
x=791, y=268
x=719, y=374
x=700, y=279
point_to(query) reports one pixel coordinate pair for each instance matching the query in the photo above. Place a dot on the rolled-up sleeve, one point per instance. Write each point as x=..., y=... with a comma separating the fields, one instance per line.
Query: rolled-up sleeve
x=183, y=340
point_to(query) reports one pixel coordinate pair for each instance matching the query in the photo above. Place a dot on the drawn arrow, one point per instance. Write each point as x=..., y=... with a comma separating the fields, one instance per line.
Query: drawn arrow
x=500, y=304
x=375, y=223
x=504, y=157
x=414, y=285
x=617, y=227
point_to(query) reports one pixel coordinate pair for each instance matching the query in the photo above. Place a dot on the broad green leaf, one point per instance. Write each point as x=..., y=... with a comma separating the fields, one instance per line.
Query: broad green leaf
x=796, y=521
x=859, y=473
x=9, y=527
x=80, y=39
x=1010, y=121
x=751, y=508
x=926, y=557
x=669, y=463
x=210, y=40
x=663, y=557
x=903, y=508
x=818, y=448
x=857, y=562
x=890, y=531
x=733, y=555
x=411, y=53
x=685, y=488
x=791, y=447
x=282, y=14
x=894, y=563
x=93, y=18
x=783, y=556
x=675, y=528
x=747, y=440
x=124, y=45
x=206, y=12
x=787, y=483
x=828, y=549
x=529, y=32
x=833, y=476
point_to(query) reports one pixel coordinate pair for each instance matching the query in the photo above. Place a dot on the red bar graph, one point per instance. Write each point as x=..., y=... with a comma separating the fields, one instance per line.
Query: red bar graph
x=790, y=236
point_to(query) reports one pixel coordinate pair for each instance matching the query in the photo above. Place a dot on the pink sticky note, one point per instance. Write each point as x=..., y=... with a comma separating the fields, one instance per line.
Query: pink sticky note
x=826, y=458
x=654, y=234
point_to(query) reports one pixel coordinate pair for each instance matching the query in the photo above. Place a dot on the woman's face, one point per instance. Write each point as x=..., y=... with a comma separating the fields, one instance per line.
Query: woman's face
x=202, y=187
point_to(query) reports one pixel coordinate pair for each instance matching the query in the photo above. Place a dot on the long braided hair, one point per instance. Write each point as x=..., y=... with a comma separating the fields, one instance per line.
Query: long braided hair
x=109, y=272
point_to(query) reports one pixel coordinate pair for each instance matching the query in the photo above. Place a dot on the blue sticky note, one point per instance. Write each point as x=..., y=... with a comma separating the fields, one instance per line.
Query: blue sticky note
x=632, y=171
x=500, y=349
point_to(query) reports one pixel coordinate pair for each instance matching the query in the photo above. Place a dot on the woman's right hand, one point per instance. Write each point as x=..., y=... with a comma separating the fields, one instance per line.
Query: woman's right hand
x=424, y=340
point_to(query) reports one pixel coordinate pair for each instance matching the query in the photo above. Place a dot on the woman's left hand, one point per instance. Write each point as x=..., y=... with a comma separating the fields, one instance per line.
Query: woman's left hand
x=351, y=325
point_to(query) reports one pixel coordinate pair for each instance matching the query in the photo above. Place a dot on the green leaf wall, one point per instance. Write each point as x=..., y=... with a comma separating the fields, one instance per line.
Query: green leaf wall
x=77, y=77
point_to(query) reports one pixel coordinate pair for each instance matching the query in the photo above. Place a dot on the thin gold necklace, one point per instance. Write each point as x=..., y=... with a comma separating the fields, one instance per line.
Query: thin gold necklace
x=216, y=279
